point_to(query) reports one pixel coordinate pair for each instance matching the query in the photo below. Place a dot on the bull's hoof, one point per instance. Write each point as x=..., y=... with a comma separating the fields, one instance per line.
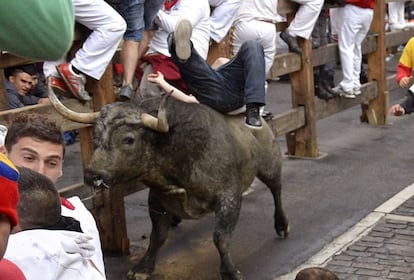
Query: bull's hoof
x=284, y=233
x=137, y=275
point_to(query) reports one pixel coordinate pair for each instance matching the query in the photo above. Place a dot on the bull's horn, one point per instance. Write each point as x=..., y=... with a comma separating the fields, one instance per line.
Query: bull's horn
x=159, y=123
x=88, y=118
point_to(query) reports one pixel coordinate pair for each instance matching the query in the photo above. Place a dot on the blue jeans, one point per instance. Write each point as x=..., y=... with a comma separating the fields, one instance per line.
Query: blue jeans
x=139, y=16
x=234, y=84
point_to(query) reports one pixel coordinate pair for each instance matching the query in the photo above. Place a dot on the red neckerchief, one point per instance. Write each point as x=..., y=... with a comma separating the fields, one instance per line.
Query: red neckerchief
x=169, y=4
x=67, y=203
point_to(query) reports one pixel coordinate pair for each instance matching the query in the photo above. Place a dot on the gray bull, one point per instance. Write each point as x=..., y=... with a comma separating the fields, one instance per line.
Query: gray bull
x=194, y=160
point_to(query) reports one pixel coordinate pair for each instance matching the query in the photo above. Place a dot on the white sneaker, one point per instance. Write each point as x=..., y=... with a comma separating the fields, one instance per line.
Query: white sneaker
x=341, y=92
x=182, y=36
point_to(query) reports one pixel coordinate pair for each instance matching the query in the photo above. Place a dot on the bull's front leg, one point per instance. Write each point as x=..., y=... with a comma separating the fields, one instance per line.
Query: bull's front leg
x=161, y=221
x=227, y=213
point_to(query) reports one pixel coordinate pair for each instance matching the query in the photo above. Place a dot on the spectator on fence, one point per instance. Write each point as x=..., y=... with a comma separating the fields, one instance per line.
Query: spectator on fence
x=38, y=29
x=139, y=17
x=20, y=84
x=222, y=16
x=235, y=84
x=158, y=57
x=302, y=24
x=43, y=245
x=37, y=143
x=256, y=20
x=324, y=74
x=356, y=21
x=396, y=16
x=96, y=53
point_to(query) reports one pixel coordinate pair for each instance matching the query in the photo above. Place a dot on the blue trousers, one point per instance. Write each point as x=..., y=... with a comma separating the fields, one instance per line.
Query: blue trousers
x=238, y=82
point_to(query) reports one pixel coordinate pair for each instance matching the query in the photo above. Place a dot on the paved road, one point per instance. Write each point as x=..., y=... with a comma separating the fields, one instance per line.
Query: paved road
x=364, y=166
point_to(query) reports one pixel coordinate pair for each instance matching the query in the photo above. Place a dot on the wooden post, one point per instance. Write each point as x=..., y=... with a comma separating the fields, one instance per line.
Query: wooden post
x=109, y=215
x=303, y=92
x=375, y=111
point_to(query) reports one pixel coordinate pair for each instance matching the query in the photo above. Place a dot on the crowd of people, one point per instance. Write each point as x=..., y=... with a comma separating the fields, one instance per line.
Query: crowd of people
x=165, y=45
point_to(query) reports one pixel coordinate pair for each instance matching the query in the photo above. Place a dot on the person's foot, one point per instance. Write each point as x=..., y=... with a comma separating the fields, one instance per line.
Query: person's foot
x=126, y=93
x=182, y=36
x=75, y=82
x=253, y=116
x=323, y=94
x=59, y=87
x=291, y=41
x=341, y=92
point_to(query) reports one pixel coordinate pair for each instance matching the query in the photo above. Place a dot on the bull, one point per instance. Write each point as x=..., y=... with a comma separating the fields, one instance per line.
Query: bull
x=194, y=160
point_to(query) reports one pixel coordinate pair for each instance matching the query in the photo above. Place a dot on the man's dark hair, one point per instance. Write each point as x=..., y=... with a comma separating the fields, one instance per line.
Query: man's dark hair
x=12, y=71
x=39, y=204
x=316, y=273
x=36, y=126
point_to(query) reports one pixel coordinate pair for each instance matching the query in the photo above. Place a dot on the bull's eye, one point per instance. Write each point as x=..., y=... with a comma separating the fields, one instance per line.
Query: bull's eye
x=128, y=141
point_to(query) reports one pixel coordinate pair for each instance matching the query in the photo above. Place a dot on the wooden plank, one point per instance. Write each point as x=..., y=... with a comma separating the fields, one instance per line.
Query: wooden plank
x=288, y=121
x=9, y=60
x=284, y=64
x=396, y=38
x=327, y=108
x=392, y=82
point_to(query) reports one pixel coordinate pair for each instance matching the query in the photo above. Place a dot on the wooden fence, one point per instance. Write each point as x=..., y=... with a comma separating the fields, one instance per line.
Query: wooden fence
x=297, y=124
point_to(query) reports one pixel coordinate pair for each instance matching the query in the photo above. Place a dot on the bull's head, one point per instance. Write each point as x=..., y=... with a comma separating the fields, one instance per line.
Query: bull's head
x=159, y=123
x=102, y=166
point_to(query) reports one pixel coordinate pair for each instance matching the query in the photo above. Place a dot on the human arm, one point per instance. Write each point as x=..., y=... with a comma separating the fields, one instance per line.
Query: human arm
x=406, y=107
x=404, y=77
x=158, y=78
x=38, y=29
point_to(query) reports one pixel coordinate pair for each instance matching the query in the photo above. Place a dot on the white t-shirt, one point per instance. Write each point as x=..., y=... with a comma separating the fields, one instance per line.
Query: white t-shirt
x=197, y=12
x=53, y=255
x=88, y=226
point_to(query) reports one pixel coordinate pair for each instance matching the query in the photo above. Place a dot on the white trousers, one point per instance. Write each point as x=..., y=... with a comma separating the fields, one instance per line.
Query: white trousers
x=396, y=13
x=355, y=26
x=107, y=28
x=262, y=32
x=305, y=18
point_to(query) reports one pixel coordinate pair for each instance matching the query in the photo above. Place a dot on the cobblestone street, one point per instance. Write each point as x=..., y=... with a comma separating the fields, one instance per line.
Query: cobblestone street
x=386, y=252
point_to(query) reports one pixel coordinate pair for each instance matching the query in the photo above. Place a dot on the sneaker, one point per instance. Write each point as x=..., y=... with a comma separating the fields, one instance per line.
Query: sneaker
x=357, y=91
x=126, y=93
x=59, y=87
x=182, y=36
x=347, y=94
x=75, y=82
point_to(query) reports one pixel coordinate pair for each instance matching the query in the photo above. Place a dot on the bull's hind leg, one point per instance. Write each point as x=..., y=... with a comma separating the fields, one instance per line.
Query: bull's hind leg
x=161, y=221
x=270, y=175
x=227, y=213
